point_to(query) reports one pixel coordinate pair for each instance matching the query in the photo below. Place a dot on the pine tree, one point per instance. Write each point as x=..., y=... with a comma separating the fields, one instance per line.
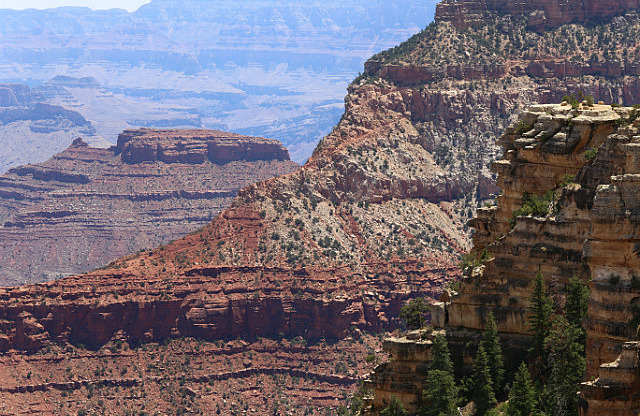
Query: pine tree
x=522, y=397
x=483, y=395
x=491, y=344
x=440, y=356
x=540, y=308
x=394, y=408
x=576, y=306
x=413, y=313
x=440, y=395
x=567, y=368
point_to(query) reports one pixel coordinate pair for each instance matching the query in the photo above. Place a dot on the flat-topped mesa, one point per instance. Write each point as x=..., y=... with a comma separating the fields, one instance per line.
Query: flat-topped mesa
x=540, y=14
x=63, y=210
x=195, y=146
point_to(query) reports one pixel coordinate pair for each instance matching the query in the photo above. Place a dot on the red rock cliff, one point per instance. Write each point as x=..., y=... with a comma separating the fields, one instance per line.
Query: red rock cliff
x=195, y=146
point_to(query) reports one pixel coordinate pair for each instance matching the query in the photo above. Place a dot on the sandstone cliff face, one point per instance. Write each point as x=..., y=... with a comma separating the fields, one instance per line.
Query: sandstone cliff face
x=87, y=206
x=587, y=159
x=617, y=389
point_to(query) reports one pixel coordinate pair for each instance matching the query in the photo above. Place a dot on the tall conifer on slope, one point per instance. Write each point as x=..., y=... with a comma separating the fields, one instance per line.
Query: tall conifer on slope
x=440, y=395
x=491, y=344
x=394, y=408
x=567, y=368
x=522, y=397
x=540, y=309
x=576, y=307
x=483, y=395
x=440, y=356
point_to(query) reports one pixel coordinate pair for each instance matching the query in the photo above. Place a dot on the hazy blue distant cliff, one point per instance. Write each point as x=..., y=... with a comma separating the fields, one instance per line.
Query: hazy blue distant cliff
x=277, y=69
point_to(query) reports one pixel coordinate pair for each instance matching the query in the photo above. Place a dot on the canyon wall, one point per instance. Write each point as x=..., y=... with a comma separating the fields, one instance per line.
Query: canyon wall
x=31, y=130
x=586, y=158
x=377, y=215
x=540, y=14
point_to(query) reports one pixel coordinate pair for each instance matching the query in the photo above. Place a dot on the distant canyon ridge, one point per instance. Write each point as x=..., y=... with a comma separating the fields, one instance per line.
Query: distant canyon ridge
x=252, y=67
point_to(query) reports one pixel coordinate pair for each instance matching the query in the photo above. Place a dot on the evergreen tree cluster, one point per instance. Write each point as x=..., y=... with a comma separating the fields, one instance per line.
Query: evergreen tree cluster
x=545, y=384
x=557, y=360
x=558, y=350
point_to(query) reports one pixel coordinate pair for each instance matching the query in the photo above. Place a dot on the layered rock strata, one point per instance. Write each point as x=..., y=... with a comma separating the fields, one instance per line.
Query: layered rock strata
x=462, y=85
x=587, y=159
x=31, y=131
x=87, y=206
x=259, y=377
x=540, y=14
x=403, y=375
x=375, y=217
x=617, y=389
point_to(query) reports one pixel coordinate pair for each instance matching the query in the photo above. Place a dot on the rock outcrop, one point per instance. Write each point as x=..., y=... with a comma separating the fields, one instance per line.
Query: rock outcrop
x=591, y=231
x=582, y=163
x=409, y=356
x=617, y=389
x=87, y=206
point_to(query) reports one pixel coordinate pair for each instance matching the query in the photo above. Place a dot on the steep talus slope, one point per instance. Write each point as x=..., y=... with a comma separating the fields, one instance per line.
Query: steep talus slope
x=342, y=242
x=326, y=252
x=87, y=206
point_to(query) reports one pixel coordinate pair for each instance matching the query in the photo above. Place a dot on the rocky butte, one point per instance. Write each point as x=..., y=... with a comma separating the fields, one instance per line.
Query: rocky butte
x=87, y=206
